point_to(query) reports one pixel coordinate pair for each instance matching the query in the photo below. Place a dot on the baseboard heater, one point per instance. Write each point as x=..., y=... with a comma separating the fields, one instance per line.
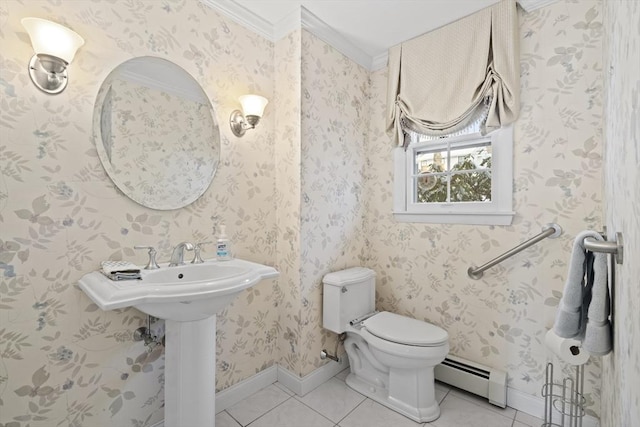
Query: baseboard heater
x=474, y=378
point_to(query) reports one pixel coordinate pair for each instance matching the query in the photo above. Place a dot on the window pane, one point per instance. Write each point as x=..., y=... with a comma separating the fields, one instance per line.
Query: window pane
x=472, y=157
x=431, y=188
x=431, y=161
x=471, y=187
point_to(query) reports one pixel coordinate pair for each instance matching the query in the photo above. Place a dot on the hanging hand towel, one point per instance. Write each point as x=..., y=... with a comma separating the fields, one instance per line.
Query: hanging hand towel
x=597, y=338
x=572, y=311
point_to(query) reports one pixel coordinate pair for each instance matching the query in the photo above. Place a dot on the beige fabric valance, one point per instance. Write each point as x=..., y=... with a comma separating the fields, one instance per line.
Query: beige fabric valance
x=438, y=80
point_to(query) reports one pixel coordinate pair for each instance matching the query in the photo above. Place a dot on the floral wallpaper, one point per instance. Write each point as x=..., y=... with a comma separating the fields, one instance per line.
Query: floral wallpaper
x=621, y=369
x=288, y=89
x=308, y=191
x=501, y=320
x=62, y=360
x=320, y=157
x=335, y=122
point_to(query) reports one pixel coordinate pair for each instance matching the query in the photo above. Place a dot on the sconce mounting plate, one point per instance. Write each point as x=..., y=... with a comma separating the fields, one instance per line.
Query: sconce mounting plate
x=48, y=82
x=238, y=124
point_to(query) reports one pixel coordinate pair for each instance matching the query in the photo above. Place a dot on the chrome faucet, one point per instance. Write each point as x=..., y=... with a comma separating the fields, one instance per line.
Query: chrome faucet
x=177, y=257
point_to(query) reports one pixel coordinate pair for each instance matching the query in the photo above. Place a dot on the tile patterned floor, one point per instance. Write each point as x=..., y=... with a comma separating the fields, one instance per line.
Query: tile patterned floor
x=334, y=404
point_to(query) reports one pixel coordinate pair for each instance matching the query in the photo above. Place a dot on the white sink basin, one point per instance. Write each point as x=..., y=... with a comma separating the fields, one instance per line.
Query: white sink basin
x=183, y=293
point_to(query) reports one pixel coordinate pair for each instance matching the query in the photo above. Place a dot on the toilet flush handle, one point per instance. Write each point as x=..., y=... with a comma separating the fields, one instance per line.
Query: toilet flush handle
x=344, y=289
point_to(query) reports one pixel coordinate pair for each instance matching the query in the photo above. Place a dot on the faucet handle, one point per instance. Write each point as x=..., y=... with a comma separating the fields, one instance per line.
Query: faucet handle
x=197, y=259
x=152, y=264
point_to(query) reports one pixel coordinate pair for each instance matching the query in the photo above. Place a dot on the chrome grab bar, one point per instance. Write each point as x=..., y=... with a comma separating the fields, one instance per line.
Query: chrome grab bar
x=550, y=230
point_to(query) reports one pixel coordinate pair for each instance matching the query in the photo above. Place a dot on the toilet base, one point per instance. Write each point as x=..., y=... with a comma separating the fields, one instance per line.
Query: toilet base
x=381, y=395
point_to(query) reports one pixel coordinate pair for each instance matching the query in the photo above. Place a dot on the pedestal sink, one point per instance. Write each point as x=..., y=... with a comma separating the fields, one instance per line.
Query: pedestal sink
x=187, y=297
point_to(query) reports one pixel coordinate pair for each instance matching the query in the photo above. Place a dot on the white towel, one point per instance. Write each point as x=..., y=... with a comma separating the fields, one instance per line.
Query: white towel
x=584, y=307
x=120, y=270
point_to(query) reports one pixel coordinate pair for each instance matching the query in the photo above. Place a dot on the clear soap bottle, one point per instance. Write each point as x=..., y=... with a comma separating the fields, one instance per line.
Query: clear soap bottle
x=223, y=249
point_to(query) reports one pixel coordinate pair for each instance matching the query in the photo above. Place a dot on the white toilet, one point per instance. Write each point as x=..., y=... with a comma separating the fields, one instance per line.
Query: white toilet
x=391, y=356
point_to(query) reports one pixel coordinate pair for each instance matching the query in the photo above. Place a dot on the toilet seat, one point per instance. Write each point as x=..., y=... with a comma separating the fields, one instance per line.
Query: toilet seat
x=405, y=330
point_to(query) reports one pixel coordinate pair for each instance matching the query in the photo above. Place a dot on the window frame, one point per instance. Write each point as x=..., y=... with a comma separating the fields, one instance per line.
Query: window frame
x=499, y=211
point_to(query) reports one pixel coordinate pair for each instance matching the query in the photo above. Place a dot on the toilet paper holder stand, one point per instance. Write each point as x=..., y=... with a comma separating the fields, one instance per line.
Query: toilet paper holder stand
x=564, y=401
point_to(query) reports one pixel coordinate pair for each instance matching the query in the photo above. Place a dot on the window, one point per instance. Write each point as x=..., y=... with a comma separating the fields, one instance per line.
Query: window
x=462, y=179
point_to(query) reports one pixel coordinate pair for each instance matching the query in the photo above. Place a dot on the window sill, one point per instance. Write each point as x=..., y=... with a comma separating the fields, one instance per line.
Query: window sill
x=478, y=218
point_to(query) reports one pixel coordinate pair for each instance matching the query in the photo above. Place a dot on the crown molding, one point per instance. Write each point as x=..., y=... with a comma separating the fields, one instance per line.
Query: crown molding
x=326, y=33
x=243, y=16
x=296, y=19
x=303, y=18
x=531, y=5
x=291, y=22
x=380, y=61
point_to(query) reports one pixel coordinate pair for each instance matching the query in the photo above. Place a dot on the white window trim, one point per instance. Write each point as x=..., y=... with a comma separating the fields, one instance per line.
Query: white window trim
x=497, y=212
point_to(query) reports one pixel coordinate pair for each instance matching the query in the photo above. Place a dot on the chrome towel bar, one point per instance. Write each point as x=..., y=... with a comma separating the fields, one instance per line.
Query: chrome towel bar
x=616, y=247
x=550, y=230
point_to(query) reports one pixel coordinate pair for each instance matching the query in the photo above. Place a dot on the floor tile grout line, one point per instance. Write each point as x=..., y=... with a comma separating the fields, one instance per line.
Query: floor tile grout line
x=324, y=416
x=232, y=417
x=445, y=396
x=279, y=404
x=367, y=398
x=356, y=407
x=446, y=390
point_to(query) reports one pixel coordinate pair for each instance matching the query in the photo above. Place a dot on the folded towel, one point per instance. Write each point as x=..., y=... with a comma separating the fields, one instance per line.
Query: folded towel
x=598, y=334
x=123, y=276
x=572, y=311
x=121, y=270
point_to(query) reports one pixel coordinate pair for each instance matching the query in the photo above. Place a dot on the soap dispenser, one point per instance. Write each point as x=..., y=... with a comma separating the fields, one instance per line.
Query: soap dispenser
x=223, y=252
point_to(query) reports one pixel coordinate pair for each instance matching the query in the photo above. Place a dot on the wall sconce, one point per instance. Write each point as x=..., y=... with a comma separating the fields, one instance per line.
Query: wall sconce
x=248, y=118
x=55, y=46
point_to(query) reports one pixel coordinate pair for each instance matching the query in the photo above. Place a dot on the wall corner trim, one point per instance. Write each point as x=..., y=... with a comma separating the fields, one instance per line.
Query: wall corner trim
x=243, y=16
x=306, y=19
x=291, y=22
x=327, y=34
x=309, y=382
x=380, y=61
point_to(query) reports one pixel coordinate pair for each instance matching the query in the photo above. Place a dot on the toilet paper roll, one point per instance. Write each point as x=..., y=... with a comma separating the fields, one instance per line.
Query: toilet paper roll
x=568, y=349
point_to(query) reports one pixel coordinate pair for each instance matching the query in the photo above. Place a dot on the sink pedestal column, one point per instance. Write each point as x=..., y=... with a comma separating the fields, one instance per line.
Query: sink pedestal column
x=190, y=373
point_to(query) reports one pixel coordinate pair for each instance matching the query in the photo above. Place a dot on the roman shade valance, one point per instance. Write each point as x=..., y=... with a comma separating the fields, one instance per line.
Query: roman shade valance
x=442, y=81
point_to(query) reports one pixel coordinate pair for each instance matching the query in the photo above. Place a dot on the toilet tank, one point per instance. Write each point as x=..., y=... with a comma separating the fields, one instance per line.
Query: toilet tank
x=348, y=294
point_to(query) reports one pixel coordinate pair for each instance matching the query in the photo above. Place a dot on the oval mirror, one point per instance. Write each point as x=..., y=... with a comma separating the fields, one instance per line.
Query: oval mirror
x=156, y=134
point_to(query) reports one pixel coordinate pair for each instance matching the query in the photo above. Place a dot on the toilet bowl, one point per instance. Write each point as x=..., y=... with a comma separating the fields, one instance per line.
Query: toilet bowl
x=391, y=357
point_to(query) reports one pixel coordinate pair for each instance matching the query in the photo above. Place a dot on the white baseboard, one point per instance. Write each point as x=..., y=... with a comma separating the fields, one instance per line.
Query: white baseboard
x=534, y=406
x=226, y=398
x=304, y=385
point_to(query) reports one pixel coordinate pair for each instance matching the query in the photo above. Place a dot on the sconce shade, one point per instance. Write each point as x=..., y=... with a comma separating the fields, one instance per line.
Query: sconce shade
x=49, y=38
x=253, y=105
x=55, y=46
x=248, y=118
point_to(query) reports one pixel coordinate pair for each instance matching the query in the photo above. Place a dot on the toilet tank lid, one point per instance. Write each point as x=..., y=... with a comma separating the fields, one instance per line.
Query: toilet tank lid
x=405, y=330
x=348, y=276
